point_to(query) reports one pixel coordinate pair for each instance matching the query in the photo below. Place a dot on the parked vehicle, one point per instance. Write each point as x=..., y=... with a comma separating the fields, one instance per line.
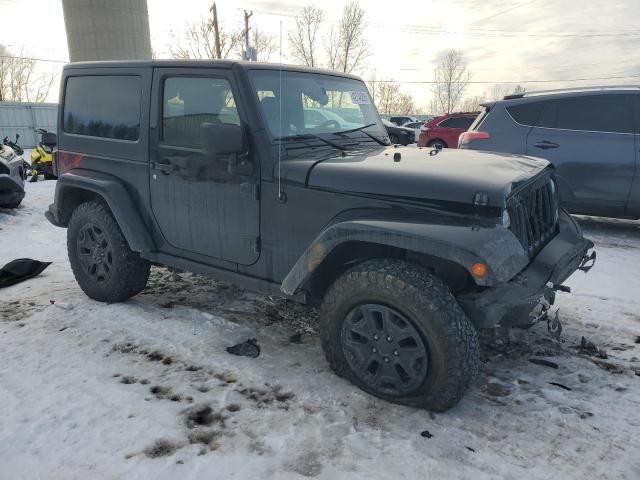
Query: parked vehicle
x=315, y=117
x=11, y=177
x=591, y=135
x=18, y=150
x=399, y=135
x=401, y=121
x=415, y=126
x=443, y=131
x=42, y=156
x=213, y=170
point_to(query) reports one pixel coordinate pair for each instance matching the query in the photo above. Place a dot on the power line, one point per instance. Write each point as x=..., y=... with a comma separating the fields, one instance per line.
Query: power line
x=478, y=32
x=33, y=58
x=484, y=82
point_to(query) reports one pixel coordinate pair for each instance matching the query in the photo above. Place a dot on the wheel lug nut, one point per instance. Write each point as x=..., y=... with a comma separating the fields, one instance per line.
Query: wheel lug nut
x=386, y=359
x=395, y=352
x=376, y=337
x=389, y=338
x=374, y=350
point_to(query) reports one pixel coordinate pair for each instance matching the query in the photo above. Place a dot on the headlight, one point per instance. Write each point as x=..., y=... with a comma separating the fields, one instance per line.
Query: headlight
x=506, y=219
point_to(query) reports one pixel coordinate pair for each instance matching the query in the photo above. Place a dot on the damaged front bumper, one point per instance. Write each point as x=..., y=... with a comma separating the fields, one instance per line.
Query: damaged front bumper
x=511, y=303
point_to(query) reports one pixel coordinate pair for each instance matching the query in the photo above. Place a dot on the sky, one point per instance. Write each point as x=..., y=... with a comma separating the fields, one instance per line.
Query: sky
x=540, y=44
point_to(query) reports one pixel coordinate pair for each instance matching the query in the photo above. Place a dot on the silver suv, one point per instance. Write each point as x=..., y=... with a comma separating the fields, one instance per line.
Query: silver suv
x=591, y=136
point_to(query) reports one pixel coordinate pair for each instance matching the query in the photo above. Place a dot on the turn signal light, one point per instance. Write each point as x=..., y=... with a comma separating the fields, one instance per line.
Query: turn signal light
x=479, y=269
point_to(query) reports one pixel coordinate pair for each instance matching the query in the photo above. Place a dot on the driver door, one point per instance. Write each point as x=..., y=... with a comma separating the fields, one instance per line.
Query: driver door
x=200, y=206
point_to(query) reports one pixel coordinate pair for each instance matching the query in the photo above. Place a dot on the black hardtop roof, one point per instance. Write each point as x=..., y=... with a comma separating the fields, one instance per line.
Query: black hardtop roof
x=189, y=63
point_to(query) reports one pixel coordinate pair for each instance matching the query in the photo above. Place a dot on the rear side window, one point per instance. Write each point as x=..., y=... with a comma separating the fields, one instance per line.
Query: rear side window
x=526, y=113
x=598, y=113
x=457, y=122
x=106, y=106
x=188, y=102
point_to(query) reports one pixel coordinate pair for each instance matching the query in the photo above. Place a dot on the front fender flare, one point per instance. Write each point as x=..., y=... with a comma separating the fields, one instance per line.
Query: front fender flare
x=114, y=193
x=464, y=244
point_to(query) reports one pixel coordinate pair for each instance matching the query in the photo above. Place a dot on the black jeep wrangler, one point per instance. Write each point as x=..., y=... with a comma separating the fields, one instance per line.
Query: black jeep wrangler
x=281, y=179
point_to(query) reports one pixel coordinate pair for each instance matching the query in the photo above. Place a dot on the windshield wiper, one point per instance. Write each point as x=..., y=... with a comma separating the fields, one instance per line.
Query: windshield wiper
x=307, y=136
x=361, y=129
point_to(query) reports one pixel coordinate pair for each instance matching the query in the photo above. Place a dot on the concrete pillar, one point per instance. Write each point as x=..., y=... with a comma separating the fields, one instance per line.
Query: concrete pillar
x=107, y=29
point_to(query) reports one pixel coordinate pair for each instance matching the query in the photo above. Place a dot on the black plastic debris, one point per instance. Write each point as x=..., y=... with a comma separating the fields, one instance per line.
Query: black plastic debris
x=20, y=270
x=638, y=339
x=560, y=385
x=469, y=448
x=426, y=434
x=250, y=348
x=545, y=363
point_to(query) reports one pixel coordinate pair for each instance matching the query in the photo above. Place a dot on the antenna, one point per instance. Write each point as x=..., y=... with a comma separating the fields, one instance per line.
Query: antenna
x=281, y=195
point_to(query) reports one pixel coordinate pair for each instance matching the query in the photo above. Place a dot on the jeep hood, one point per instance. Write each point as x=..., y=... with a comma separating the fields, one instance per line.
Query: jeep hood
x=448, y=176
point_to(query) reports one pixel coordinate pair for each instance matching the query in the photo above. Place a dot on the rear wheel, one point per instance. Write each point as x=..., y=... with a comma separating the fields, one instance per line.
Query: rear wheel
x=393, y=329
x=437, y=144
x=104, y=266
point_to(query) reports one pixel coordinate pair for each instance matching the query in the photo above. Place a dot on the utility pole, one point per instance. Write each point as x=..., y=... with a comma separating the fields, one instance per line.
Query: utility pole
x=216, y=30
x=247, y=16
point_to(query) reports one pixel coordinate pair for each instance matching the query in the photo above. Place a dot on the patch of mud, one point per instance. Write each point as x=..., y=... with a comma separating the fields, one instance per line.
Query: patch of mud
x=161, y=448
x=203, y=416
x=167, y=290
x=14, y=310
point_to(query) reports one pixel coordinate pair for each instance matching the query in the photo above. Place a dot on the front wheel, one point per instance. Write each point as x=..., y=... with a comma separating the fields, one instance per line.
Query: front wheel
x=393, y=329
x=393, y=138
x=105, y=267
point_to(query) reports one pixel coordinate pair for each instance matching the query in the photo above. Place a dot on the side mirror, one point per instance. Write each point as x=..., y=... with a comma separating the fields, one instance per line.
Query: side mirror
x=221, y=139
x=226, y=139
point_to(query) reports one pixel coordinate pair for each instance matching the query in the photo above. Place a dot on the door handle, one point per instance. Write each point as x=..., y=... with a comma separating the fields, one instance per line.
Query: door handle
x=545, y=145
x=165, y=166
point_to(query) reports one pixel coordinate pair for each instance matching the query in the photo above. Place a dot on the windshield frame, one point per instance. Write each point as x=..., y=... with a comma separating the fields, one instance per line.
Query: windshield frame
x=377, y=129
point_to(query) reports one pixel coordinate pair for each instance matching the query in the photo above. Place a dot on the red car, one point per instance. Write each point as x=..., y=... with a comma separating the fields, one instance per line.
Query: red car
x=445, y=130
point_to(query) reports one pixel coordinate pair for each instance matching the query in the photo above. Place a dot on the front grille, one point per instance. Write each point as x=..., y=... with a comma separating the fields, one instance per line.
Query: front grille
x=533, y=210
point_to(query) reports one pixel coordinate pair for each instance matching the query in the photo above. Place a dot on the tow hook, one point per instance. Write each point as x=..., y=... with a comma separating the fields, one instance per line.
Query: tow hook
x=585, y=260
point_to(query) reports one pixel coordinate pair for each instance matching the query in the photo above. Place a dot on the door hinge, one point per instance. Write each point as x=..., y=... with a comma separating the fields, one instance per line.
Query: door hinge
x=251, y=189
x=253, y=243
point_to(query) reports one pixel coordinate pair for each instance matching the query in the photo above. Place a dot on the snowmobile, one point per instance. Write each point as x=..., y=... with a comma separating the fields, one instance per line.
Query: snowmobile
x=19, y=151
x=11, y=177
x=42, y=156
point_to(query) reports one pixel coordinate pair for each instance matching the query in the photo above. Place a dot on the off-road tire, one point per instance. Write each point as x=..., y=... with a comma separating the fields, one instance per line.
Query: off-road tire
x=451, y=339
x=129, y=274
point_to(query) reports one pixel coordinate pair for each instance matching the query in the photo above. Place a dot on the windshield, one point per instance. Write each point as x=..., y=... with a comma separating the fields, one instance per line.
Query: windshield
x=295, y=103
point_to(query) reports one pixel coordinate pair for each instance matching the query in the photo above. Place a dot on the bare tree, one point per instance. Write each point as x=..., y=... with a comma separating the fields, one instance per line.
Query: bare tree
x=199, y=41
x=389, y=98
x=451, y=79
x=473, y=104
x=347, y=49
x=303, y=39
x=20, y=80
x=263, y=43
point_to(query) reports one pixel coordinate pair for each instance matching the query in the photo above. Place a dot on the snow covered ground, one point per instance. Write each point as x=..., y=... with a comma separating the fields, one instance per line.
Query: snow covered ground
x=145, y=389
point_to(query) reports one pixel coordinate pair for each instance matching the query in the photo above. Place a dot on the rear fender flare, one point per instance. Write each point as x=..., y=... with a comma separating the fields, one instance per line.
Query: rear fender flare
x=111, y=190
